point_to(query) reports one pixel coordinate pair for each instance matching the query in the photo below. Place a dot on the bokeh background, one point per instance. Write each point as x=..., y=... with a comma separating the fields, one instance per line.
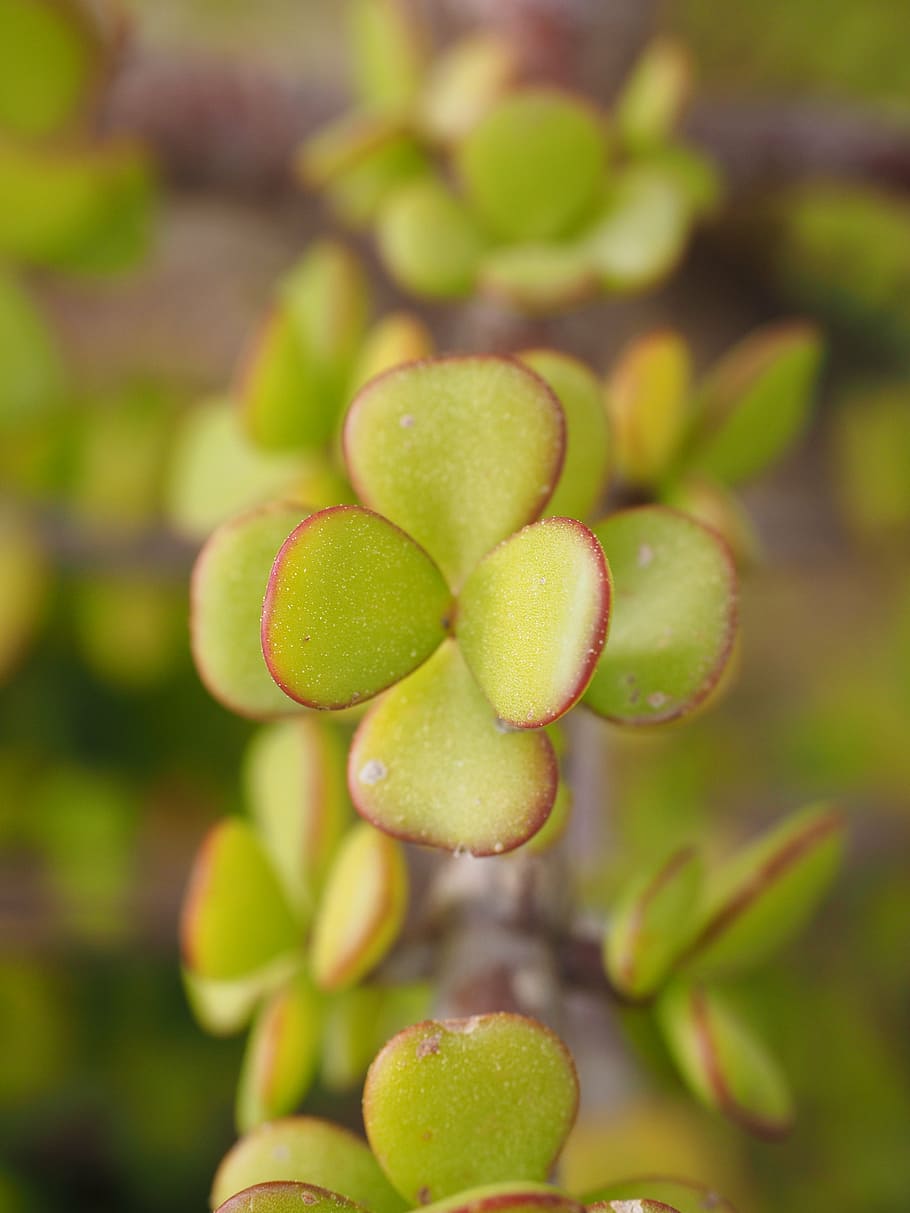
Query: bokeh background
x=113, y=760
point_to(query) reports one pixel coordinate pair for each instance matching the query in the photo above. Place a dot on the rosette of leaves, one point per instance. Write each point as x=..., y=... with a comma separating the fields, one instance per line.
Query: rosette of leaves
x=285, y=914
x=679, y=930
x=474, y=181
x=460, y=1114
x=480, y=621
x=275, y=437
x=689, y=442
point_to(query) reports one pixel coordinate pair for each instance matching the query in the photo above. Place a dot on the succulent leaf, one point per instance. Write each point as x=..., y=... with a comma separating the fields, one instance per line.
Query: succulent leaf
x=647, y=398
x=654, y=96
x=397, y=338
x=429, y=241
x=508, y=1198
x=642, y=231
x=225, y=1007
x=684, y=1195
x=360, y=1021
x=539, y=277
x=387, y=52
x=463, y=83
x=283, y=1197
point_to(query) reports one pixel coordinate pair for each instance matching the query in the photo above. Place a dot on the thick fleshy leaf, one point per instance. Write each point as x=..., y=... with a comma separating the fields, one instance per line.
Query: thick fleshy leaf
x=387, y=52
x=755, y=403
x=723, y=1063
x=294, y=778
x=556, y=824
x=455, y=1104
x=459, y=452
x=718, y=507
x=283, y=1197
x=463, y=83
x=584, y=471
x=234, y=919
x=647, y=396
x=429, y=240
x=508, y=1198
x=685, y=1195
x=532, y=620
x=292, y=385
x=226, y=592
x=306, y=1150
x=343, y=144
x=764, y=895
x=432, y=764
x=539, y=277
x=282, y=1054
x=353, y=605
x=397, y=338
x=224, y=1007
x=674, y=616
x=360, y=194
x=361, y=909
x=359, y=1022
x=642, y=230
x=32, y=381
x=532, y=166
x=654, y=96
x=652, y=924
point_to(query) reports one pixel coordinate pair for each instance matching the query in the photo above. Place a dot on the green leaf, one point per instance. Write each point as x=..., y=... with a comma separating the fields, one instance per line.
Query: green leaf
x=654, y=96
x=716, y=506
x=871, y=457
x=360, y=1020
x=463, y=82
x=25, y=578
x=532, y=166
x=282, y=1055
x=294, y=779
x=674, y=616
x=428, y=240
x=755, y=403
x=539, y=277
x=342, y=145
x=353, y=605
x=216, y=473
x=532, y=620
x=33, y=378
x=48, y=56
x=398, y=338
x=234, y=919
x=387, y=52
x=294, y=380
x=432, y=764
x=508, y=1198
x=463, y=1102
x=684, y=1195
x=225, y=1007
x=556, y=824
x=763, y=896
x=647, y=397
x=460, y=452
x=359, y=195
x=652, y=923
x=310, y=1151
x=584, y=472
x=281, y=1197
x=723, y=1063
x=641, y=233
x=226, y=594
x=361, y=910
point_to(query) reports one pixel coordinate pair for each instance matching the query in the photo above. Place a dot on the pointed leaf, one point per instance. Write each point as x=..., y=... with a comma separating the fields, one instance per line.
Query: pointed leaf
x=507, y=1198
x=460, y=452
x=532, y=620
x=429, y=241
x=532, y=166
x=652, y=923
x=281, y=1055
x=642, y=231
x=226, y=594
x=539, y=277
x=723, y=1063
x=463, y=83
x=361, y=910
x=756, y=402
x=684, y=1195
x=647, y=396
x=577, y=389
x=387, y=51
x=352, y=606
x=225, y=1007
x=765, y=894
x=294, y=778
x=432, y=764
x=309, y=1151
x=674, y=616
x=234, y=918
x=454, y=1104
x=282, y=1197
x=398, y=338
x=654, y=96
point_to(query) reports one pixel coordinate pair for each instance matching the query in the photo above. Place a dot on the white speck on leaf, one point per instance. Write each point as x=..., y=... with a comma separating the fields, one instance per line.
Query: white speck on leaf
x=372, y=772
x=645, y=555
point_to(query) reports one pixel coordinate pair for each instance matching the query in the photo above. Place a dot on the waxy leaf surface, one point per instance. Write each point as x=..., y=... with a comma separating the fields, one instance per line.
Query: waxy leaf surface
x=234, y=919
x=432, y=764
x=360, y=1021
x=311, y=1151
x=508, y=1198
x=361, y=909
x=642, y=231
x=353, y=605
x=588, y=446
x=396, y=338
x=224, y=1007
x=226, y=592
x=532, y=166
x=459, y=1103
x=763, y=896
x=647, y=401
x=459, y=452
x=684, y=1195
x=429, y=240
x=723, y=1063
x=674, y=616
x=532, y=620
x=283, y=1197
x=539, y=277
x=652, y=924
